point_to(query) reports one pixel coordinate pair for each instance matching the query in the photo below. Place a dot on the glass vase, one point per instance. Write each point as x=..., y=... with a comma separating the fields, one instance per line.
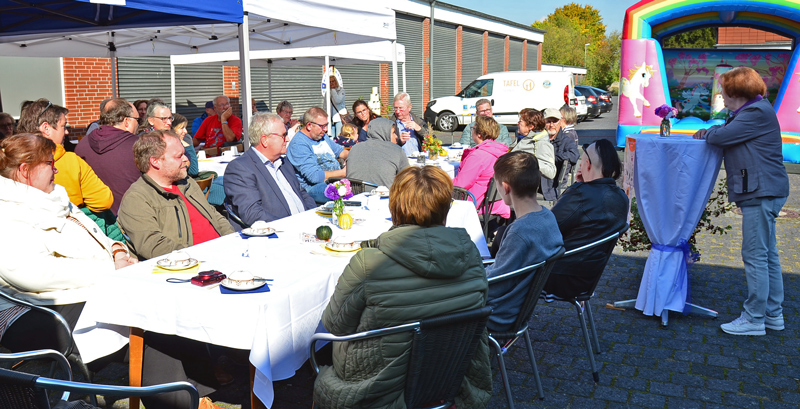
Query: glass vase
x=338, y=210
x=433, y=154
x=665, y=127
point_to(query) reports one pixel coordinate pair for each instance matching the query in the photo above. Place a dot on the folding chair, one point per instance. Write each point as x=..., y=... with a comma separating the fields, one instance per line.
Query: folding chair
x=233, y=218
x=205, y=184
x=540, y=271
x=605, y=246
x=356, y=185
x=441, y=352
x=487, y=217
x=459, y=193
x=19, y=390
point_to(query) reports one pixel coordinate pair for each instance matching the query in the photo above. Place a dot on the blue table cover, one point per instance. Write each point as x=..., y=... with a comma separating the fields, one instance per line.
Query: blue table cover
x=674, y=178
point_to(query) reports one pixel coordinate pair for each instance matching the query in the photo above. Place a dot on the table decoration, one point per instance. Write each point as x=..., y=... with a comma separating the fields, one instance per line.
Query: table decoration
x=338, y=191
x=665, y=112
x=433, y=146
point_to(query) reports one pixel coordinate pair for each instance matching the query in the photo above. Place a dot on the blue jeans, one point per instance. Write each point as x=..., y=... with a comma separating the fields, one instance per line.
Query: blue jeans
x=762, y=264
x=317, y=192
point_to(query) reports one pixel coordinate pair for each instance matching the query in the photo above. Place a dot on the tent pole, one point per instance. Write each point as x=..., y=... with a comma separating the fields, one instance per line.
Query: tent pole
x=394, y=70
x=244, y=77
x=113, y=49
x=172, y=87
x=327, y=94
x=269, y=83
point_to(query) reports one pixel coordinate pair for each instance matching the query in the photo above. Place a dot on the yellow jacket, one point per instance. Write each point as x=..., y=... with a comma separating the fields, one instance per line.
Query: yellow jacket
x=82, y=184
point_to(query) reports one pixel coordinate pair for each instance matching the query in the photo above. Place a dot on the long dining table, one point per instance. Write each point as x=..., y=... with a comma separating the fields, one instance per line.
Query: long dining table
x=275, y=326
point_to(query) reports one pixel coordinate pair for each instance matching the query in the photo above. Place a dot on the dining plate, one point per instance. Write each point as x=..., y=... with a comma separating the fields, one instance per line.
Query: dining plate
x=168, y=264
x=258, y=232
x=376, y=192
x=343, y=247
x=242, y=286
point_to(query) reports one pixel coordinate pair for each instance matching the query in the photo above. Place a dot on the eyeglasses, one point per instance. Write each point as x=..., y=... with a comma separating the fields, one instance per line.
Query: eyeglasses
x=136, y=118
x=323, y=126
x=165, y=118
x=282, y=135
x=485, y=111
x=49, y=104
x=363, y=111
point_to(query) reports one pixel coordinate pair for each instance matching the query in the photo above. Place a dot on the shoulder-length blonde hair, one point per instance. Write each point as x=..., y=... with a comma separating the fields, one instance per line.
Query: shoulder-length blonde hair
x=420, y=196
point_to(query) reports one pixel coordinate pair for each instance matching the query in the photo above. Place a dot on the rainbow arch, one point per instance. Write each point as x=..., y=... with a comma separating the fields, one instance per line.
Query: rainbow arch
x=649, y=21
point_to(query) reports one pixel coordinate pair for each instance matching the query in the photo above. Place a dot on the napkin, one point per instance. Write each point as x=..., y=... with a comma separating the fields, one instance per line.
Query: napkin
x=262, y=289
x=271, y=236
x=193, y=270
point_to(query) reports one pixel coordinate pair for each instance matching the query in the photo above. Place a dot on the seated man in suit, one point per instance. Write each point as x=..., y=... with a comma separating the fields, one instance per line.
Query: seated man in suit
x=259, y=185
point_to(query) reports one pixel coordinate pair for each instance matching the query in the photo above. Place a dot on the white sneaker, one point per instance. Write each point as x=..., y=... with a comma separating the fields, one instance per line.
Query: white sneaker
x=741, y=326
x=774, y=323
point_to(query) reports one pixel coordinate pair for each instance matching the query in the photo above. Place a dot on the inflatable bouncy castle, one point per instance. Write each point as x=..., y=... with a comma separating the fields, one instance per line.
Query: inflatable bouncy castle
x=687, y=79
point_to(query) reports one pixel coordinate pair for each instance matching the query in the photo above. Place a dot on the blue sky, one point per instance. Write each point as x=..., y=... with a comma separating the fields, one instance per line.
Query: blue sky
x=528, y=11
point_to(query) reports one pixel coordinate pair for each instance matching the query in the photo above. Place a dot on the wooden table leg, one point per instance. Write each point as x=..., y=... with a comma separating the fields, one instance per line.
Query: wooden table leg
x=136, y=352
x=255, y=403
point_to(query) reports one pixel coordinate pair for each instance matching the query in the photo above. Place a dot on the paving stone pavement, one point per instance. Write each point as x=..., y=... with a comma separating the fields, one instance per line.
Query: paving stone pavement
x=690, y=363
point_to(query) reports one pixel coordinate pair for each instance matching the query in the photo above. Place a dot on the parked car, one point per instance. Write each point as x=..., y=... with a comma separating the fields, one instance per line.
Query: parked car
x=592, y=95
x=581, y=109
x=509, y=92
x=592, y=107
x=605, y=96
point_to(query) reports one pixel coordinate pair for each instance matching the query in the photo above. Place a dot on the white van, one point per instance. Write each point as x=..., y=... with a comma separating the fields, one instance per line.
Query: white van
x=509, y=92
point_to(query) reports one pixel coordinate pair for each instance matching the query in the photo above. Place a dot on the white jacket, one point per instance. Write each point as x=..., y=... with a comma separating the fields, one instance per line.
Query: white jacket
x=45, y=256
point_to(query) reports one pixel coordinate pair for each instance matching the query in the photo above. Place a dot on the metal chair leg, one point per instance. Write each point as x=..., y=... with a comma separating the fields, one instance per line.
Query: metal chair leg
x=594, y=328
x=533, y=364
x=587, y=341
x=503, y=374
x=76, y=362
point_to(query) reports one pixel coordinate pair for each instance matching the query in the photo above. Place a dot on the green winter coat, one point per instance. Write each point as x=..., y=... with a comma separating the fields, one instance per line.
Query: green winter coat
x=411, y=273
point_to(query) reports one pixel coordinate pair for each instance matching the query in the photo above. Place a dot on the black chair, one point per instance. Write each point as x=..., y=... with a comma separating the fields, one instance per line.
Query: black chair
x=459, y=193
x=20, y=390
x=61, y=323
x=487, y=205
x=540, y=272
x=356, y=185
x=233, y=218
x=562, y=176
x=441, y=352
x=606, y=246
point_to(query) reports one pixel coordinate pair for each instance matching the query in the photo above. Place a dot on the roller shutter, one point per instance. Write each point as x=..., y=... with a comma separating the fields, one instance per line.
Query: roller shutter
x=533, y=56
x=299, y=85
x=444, y=60
x=471, y=55
x=515, y=55
x=496, y=53
x=148, y=77
x=358, y=82
x=409, y=33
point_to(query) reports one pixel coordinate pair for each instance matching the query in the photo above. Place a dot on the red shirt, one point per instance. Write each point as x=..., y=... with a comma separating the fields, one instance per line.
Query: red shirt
x=211, y=131
x=202, y=230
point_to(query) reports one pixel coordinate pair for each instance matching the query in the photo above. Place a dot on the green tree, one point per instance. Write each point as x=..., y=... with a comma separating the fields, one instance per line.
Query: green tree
x=563, y=41
x=603, y=62
x=700, y=38
x=587, y=17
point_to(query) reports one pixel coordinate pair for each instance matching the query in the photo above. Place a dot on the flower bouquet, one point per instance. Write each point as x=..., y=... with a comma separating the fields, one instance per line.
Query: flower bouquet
x=433, y=146
x=338, y=191
x=666, y=112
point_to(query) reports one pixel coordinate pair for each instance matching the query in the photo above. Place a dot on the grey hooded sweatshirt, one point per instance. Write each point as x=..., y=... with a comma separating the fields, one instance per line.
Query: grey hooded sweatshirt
x=377, y=160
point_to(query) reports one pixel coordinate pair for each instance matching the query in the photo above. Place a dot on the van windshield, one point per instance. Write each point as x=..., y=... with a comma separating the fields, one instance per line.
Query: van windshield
x=477, y=89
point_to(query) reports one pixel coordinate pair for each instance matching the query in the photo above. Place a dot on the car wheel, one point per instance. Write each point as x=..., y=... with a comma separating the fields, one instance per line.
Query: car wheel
x=446, y=122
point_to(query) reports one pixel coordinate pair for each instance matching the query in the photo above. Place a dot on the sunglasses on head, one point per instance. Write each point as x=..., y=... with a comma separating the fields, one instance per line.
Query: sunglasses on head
x=585, y=149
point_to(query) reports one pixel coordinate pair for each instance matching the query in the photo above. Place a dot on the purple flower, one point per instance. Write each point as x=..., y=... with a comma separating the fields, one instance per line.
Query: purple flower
x=331, y=192
x=666, y=111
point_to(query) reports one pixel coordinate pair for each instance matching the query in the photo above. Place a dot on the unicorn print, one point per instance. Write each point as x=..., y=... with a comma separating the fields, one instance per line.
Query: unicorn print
x=633, y=86
x=697, y=95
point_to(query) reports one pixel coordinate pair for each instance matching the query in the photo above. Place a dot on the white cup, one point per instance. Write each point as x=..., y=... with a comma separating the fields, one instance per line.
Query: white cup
x=234, y=150
x=201, y=155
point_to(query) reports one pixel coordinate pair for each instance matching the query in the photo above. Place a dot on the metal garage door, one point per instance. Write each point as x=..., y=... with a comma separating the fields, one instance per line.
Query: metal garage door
x=471, y=55
x=148, y=77
x=496, y=53
x=515, y=55
x=299, y=85
x=409, y=33
x=444, y=60
x=533, y=56
x=358, y=82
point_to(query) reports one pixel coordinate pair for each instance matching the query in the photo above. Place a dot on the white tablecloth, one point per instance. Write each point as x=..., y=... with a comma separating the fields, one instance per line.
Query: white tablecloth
x=215, y=164
x=674, y=178
x=276, y=326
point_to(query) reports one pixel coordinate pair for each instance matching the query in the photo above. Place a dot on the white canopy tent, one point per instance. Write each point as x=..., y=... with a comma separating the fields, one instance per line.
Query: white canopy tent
x=379, y=51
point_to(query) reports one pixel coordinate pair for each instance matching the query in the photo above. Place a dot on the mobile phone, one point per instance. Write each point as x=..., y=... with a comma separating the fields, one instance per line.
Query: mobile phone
x=207, y=278
x=352, y=203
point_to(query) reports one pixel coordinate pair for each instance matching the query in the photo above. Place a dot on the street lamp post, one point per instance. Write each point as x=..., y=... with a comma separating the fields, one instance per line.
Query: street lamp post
x=584, y=53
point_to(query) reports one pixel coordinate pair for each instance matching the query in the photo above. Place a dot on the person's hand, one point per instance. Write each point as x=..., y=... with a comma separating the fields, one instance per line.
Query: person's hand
x=293, y=122
x=410, y=124
x=578, y=175
x=226, y=114
x=124, y=260
x=405, y=136
x=701, y=134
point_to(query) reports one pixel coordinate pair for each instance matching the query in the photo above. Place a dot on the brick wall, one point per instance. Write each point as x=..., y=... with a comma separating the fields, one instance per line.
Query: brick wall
x=459, y=56
x=230, y=87
x=87, y=82
x=426, y=67
x=744, y=35
x=485, y=53
x=386, y=86
x=506, y=52
x=524, y=55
